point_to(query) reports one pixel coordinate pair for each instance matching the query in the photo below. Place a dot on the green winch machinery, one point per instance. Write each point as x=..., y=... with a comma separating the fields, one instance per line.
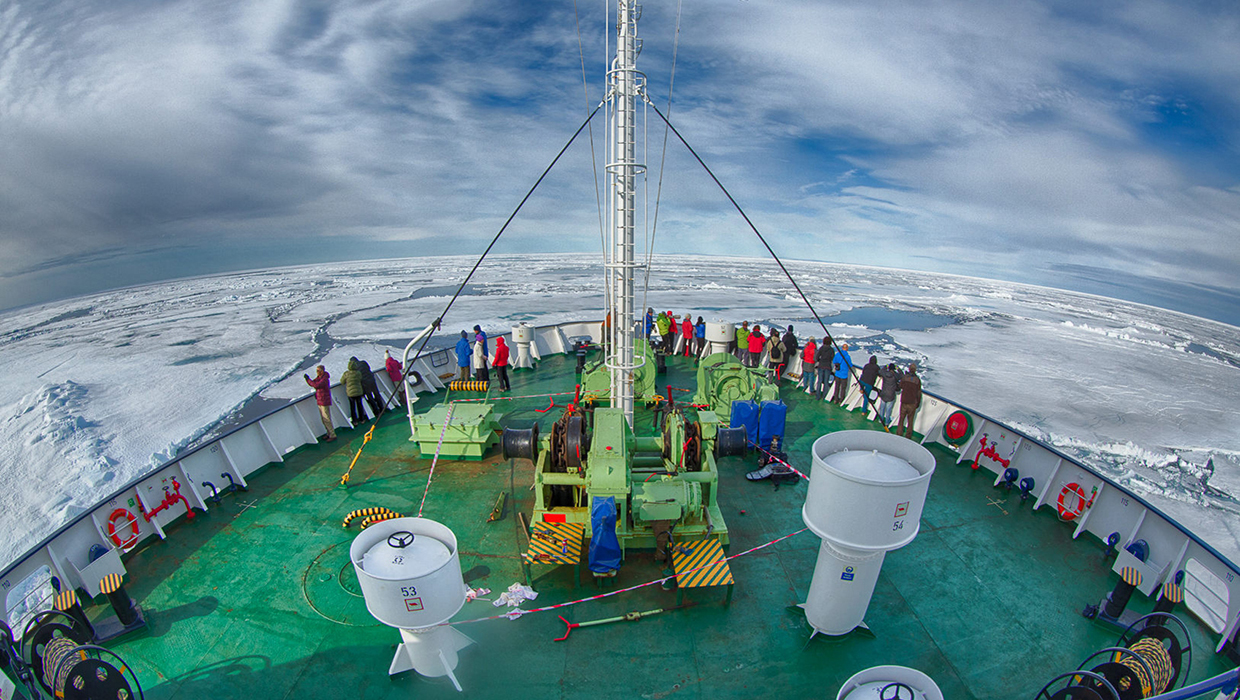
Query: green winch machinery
x=596, y=376
x=667, y=477
x=722, y=379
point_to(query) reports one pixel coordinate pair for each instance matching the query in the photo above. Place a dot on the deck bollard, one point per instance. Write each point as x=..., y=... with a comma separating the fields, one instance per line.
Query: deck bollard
x=67, y=602
x=112, y=586
x=1117, y=599
x=1172, y=594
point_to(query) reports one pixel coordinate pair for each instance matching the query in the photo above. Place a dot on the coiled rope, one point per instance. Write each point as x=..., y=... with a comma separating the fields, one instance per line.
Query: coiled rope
x=55, y=670
x=1156, y=672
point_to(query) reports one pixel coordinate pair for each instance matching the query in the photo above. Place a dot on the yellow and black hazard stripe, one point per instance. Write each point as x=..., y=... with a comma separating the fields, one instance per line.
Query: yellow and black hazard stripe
x=66, y=600
x=110, y=584
x=701, y=564
x=468, y=385
x=555, y=543
x=362, y=513
x=379, y=517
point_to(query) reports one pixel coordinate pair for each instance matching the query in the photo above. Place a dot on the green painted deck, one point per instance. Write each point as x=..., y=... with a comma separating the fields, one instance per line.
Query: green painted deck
x=257, y=598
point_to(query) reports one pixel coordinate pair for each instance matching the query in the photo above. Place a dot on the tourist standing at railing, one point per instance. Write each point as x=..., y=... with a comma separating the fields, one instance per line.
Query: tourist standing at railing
x=481, y=373
x=809, y=376
x=843, y=368
x=500, y=363
x=775, y=356
x=791, y=346
x=664, y=324
x=463, y=355
x=699, y=337
x=686, y=333
x=394, y=370
x=825, y=360
x=649, y=321
x=352, y=379
x=742, y=342
x=868, y=378
x=480, y=336
x=890, y=377
x=910, y=400
x=756, y=343
x=370, y=388
x=322, y=385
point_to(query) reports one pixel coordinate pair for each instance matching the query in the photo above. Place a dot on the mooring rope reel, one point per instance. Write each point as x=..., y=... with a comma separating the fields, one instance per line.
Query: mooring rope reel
x=55, y=659
x=80, y=673
x=1150, y=657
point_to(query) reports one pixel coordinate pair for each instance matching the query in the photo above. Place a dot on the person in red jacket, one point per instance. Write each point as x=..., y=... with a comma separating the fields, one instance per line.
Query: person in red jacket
x=500, y=363
x=809, y=374
x=686, y=331
x=322, y=385
x=392, y=365
x=756, y=342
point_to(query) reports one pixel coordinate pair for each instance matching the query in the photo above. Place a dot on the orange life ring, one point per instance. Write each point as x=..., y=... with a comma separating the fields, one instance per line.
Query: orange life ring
x=133, y=527
x=1065, y=512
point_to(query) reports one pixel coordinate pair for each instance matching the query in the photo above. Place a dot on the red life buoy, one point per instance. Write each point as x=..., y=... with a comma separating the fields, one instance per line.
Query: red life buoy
x=957, y=428
x=116, y=518
x=1072, y=513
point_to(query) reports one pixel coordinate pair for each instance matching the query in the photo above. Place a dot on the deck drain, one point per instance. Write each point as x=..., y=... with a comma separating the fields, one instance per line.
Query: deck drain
x=331, y=589
x=348, y=580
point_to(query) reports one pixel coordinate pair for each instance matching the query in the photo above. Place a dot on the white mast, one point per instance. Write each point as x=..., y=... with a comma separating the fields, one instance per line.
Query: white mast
x=625, y=83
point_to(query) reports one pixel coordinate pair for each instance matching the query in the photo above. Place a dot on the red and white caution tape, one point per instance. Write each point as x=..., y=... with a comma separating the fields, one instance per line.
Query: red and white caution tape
x=511, y=398
x=518, y=612
x=447, y=419
x=773, y=458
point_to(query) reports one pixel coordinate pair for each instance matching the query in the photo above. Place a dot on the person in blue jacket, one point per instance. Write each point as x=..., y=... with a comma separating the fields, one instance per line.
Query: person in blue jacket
x=480, y=336
x=699, y=335
x=843, y=366
x=649, y=321
x=463, y=355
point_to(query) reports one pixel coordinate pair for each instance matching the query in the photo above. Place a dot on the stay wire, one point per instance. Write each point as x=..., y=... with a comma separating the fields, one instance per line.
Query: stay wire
x=852, y=366
x=658, y=196
x=585, y=88
x=513, y=215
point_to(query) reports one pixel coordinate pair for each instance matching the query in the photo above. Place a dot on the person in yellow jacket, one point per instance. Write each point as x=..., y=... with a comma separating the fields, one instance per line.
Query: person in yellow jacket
x=664, y=325
x=742, y=341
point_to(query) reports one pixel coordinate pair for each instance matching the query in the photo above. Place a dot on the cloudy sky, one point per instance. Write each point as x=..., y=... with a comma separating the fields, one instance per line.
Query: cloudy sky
x=1089, y=146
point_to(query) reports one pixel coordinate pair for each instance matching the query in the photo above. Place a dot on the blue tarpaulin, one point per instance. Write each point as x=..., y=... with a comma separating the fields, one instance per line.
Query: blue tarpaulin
x=745, y=413
x=771, y=418
x=604, y=547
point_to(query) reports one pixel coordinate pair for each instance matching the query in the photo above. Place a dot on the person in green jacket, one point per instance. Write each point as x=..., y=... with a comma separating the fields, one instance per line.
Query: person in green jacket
x=664, y=324
x=352, y=379
x=742, y=341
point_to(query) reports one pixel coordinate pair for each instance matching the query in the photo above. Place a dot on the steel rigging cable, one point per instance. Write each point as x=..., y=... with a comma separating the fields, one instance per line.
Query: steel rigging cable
x=852, y=367
x=513, y=215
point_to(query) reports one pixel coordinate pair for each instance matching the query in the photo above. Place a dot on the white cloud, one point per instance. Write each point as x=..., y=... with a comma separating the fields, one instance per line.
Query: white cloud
x=859, y=131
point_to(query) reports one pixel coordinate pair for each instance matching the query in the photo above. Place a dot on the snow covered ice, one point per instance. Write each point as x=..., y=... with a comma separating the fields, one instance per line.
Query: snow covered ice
x=104, y=388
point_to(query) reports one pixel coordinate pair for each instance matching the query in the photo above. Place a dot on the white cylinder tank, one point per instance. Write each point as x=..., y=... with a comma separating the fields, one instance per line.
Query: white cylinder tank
x=409, y=571
x=410, y=574
x=527, y=351
x=870, y=684
x=865, y=498
x=718, y=335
